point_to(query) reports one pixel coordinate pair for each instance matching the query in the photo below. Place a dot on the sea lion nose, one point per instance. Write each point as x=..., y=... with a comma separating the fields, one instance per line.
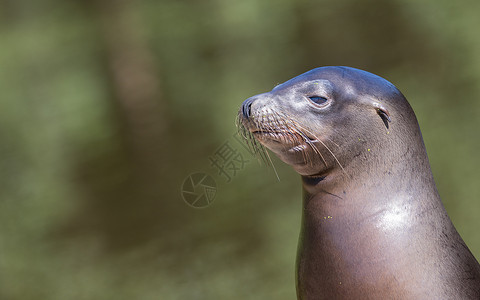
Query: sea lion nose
x=247, y=107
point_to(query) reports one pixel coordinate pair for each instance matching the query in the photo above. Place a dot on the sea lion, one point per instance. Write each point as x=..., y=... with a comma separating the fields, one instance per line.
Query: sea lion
x=373, y=224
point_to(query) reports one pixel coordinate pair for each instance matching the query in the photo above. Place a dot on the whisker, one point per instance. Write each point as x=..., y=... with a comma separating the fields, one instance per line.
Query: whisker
x=309, y=142
x=273, y=166
x=331, y=141
x=287, y=129
x=301, y=130
x=297, y=128
x=326, y=147
x=256, y=148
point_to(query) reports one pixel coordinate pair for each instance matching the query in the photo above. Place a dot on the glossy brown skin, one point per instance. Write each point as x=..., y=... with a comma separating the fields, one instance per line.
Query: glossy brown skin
x=373, y=224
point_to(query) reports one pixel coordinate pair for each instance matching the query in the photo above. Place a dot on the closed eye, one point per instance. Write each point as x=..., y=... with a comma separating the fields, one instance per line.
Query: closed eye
x=318, y=100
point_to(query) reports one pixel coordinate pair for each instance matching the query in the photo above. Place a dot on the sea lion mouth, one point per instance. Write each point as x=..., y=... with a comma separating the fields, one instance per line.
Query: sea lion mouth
x=286, y=137
x=292, y=141
x=276, y=131
x=284, y=132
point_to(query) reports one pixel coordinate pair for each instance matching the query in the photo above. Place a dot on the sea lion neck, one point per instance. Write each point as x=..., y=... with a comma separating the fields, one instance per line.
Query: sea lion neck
x=359, y=198
x=379, y=186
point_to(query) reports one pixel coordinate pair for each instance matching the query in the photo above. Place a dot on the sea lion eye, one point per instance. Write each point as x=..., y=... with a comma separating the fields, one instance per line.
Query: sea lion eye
x=318, y=100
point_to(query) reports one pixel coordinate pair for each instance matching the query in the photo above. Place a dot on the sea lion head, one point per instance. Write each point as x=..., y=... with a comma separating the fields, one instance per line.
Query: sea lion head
x=324, y=119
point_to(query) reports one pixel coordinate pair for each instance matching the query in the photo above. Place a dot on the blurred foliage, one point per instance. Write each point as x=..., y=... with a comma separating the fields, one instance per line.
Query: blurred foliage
x=107, y=106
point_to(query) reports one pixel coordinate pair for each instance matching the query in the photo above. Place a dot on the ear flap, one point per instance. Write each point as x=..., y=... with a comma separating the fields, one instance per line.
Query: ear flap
x=383, y=113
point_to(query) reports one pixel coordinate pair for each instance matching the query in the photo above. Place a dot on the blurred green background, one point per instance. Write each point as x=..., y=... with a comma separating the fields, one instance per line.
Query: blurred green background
x=108, y=106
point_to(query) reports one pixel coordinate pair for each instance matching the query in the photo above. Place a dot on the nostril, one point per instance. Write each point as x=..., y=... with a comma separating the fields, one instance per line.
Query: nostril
x=247, y=107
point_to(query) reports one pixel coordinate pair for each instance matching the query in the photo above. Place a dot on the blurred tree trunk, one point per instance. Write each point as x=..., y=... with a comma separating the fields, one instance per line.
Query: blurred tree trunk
x=121, y=181
x=133, y=77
